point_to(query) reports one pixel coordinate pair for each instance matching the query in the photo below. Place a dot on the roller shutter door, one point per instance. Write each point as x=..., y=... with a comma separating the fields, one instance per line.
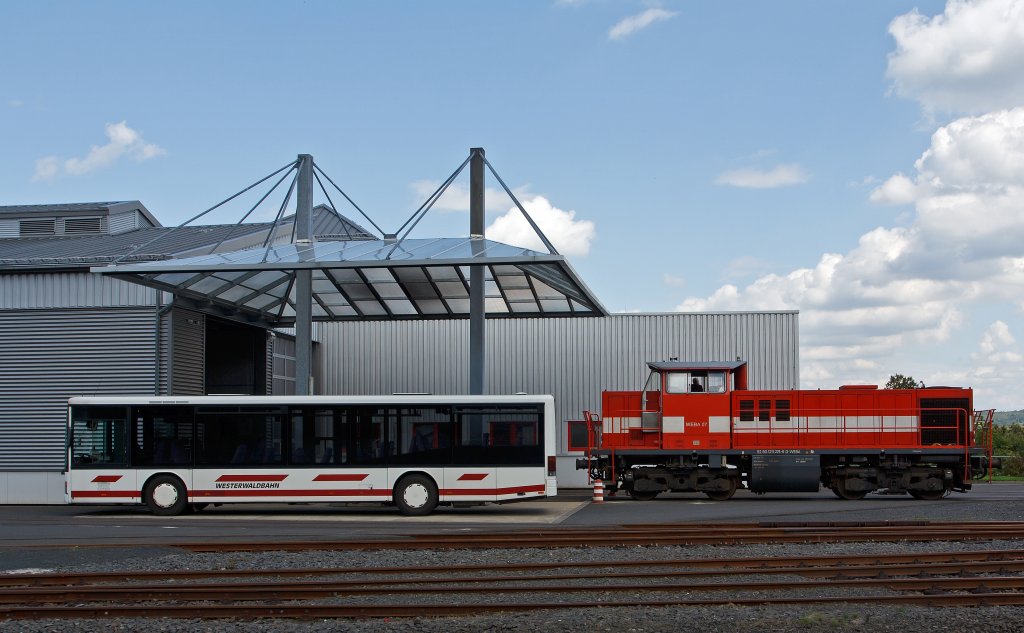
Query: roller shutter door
x=188, y=352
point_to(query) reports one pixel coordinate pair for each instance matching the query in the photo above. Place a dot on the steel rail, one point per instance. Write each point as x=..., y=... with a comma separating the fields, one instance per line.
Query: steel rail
x=214, y=611
x=979, y=561
x=656, y=534
x=247, y=592
x=553, y=540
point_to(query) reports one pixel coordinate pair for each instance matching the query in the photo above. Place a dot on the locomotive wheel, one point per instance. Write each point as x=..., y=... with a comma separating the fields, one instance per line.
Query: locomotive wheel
x=722, y=495
x=845, y=493
x=927, y=495
x=643, y=495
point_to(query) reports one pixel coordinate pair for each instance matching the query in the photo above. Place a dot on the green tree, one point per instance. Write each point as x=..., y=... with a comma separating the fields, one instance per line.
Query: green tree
x=899, y=381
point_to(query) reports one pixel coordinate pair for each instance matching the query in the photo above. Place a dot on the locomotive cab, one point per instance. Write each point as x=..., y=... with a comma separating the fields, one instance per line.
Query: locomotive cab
x=688, y=403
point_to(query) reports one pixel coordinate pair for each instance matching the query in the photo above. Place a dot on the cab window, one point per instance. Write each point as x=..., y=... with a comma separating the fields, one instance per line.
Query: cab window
x=716, y=382
x=677, y=382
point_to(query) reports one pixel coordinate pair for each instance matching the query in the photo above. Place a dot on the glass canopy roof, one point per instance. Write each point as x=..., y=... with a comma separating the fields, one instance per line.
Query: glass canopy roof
x=372, y=280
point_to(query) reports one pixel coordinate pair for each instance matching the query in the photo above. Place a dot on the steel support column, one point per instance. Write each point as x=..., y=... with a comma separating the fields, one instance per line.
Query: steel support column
x=304, y=279
x=476, y=273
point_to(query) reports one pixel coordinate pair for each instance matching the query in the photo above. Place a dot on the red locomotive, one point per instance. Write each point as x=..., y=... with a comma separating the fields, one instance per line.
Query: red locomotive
x=695, y=427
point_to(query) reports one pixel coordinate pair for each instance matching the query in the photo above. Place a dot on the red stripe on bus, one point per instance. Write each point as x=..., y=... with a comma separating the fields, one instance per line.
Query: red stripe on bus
x=106, y=479
x=358, y=492
x=457, y=492
x=356, y=477
x=252, y=477
x=473, y=477
x=103, y=494
x=353, y=492
x=344, y=492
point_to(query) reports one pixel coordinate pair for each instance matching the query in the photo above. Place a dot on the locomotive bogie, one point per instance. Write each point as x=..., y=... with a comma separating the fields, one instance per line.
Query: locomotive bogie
x=718, y=483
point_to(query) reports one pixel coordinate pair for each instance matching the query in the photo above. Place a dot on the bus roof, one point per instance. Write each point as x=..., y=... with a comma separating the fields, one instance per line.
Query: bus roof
x=311, y=400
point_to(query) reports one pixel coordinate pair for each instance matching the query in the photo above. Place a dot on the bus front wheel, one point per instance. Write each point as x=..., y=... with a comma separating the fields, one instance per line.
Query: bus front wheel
x=416, y=495
x=165, y=495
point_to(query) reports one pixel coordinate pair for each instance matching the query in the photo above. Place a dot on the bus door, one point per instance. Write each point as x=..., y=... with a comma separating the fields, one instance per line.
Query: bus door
x=99, y=471
x=163, y=441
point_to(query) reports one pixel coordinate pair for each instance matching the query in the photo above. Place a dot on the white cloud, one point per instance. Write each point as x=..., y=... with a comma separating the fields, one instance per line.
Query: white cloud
x=634, y=23
x=15, y=103
x=903, y=299
x=967, y=59
x=122, y=141
x=912, y=287
x=897, y=190
x=997, y=336
x=779, y=176
x=984, y=152
x=456, y=196
x=673, y=281
x=46, y=168
x=569, y=235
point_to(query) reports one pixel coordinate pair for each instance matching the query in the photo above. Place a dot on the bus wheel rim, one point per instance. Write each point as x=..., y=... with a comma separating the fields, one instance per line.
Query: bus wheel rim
x=415, y=495
x=165, y=495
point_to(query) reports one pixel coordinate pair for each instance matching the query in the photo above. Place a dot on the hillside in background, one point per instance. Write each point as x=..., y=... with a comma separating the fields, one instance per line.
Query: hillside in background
x=1009, y=417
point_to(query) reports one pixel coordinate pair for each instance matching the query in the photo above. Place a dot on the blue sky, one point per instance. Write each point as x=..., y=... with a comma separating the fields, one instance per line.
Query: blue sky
x=860, y=162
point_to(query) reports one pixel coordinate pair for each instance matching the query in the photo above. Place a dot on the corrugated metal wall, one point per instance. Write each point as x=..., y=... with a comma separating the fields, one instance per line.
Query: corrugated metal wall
x=188, y=352
x=47, y=356
x=574, y=358
x=27, y=291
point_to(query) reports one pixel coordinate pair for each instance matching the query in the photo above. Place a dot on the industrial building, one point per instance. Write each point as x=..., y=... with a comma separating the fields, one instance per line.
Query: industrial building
x=66, y=331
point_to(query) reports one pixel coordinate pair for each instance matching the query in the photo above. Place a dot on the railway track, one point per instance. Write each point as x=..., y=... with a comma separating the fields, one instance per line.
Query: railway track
x=990, y=577
x=606, y=536
x=656, y=534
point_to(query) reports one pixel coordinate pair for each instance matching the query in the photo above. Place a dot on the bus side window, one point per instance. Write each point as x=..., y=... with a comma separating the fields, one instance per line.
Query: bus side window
x=98, y=436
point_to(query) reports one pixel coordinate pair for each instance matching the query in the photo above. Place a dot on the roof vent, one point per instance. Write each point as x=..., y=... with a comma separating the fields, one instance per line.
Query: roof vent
x=82, y=226
x=30, y=228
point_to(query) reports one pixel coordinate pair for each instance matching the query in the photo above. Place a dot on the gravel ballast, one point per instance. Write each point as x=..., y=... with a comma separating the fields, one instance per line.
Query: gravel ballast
x=858, y=617
x=730, y=618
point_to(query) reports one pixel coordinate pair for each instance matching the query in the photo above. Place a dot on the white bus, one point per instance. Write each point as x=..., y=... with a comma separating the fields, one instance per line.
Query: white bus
x=415, y=451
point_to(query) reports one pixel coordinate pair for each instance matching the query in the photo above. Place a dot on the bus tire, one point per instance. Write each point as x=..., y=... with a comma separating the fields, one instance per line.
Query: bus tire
x=416, y=495
x=165, y=495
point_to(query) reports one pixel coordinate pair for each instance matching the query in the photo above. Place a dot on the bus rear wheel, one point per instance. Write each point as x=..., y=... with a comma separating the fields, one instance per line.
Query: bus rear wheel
x=416, y=495
x=165, y=495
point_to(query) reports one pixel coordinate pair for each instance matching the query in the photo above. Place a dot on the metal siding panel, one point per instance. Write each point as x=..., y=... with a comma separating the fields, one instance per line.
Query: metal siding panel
x=573, y=358
x=29, y=291
x=47, y=357
x=188, y=351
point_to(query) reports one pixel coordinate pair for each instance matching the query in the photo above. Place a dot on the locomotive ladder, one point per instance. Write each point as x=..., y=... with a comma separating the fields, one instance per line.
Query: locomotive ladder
x=982, y=423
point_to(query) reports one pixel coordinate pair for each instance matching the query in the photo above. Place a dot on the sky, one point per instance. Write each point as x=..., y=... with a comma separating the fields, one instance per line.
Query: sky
x=861, y=162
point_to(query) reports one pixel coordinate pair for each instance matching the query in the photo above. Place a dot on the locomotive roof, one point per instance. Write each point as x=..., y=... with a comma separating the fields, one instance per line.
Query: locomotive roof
x=675, y=365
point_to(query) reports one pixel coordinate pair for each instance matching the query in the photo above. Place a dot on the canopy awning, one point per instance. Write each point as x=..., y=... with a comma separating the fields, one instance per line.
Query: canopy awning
x=373, y=279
